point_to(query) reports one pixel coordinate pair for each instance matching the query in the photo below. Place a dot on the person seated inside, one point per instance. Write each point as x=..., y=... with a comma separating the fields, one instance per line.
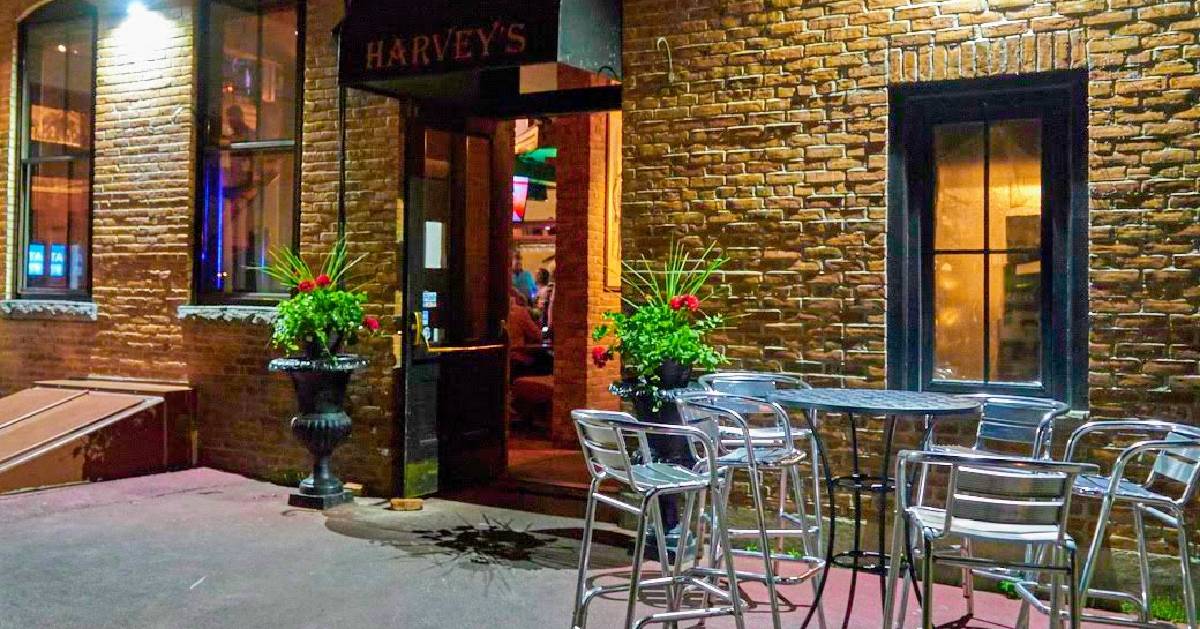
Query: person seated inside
x=527, y=356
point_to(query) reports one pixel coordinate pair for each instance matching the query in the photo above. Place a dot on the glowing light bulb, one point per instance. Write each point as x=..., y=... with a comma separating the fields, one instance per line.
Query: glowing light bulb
x=62, y=48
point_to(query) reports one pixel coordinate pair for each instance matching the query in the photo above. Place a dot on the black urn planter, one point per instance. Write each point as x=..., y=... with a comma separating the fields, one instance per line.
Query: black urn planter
x=322, y=423
x=661, y=409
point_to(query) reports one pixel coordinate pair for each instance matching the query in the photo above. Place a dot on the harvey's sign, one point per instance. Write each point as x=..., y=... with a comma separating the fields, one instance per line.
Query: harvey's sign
x=389, y=39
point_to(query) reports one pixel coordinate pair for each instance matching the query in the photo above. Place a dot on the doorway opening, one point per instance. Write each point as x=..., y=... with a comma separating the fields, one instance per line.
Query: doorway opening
x=566, y=258
x=511, y=239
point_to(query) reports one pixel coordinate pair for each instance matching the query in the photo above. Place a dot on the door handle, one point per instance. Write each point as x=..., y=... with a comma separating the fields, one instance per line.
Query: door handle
x=419, y=331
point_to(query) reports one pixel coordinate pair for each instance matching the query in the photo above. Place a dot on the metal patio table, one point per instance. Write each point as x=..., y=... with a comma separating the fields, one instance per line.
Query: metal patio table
x=851, y=402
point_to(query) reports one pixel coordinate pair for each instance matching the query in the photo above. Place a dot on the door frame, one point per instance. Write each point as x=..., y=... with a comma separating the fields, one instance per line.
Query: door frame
x=417, y=122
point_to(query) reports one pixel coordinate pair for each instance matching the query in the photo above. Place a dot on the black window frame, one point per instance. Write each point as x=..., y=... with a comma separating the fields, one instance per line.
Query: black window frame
x=1060, y=99
x=57, y=11
x=261, y=147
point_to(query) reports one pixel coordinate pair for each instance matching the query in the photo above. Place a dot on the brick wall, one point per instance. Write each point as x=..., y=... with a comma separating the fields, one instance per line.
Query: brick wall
x=772, y=141
x=143, y=221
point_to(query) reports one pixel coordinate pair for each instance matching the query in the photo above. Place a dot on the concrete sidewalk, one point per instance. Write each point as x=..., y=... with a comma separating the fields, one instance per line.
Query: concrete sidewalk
x=203, y=548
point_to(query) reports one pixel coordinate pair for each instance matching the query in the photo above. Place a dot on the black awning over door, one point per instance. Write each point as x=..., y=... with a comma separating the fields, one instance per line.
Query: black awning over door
x=470, y=53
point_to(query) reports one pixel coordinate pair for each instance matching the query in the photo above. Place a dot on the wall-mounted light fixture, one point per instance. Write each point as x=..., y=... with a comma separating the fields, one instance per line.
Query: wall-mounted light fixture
x=143, y=34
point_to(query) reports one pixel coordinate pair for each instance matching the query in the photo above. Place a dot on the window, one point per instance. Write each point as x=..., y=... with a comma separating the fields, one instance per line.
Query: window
x=249, y=163
x=58, y=65
x=986, y=271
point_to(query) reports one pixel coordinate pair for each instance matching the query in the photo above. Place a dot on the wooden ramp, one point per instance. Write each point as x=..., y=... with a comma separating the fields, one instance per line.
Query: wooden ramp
x=51, y=436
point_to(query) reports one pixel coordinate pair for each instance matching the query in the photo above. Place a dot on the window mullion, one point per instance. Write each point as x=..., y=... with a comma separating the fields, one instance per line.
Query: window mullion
x=987, y=258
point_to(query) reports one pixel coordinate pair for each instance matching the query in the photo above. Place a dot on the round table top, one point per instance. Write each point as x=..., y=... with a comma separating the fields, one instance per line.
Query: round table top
x=876, y=401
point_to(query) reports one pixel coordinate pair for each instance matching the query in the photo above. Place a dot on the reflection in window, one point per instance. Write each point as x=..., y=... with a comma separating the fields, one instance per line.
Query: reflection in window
x=58, y=61
x=987, y=242
x=249, y=155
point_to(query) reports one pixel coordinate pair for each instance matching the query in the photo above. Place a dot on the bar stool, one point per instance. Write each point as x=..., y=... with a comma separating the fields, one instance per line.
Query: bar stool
x=1168, y=486
x=736, y=423
x=616, y=447
x=760, y=385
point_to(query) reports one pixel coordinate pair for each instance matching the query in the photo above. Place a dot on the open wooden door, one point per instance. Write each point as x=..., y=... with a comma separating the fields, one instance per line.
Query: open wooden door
x=455, y=357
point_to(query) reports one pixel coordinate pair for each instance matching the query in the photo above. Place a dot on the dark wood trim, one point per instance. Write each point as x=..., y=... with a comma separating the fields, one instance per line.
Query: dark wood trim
x=201, y=69
x=1060, y=99
x=58, y=11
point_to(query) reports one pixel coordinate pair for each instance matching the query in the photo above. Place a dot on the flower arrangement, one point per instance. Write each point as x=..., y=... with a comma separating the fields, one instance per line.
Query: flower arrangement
x=321, y=315
x=663, y=321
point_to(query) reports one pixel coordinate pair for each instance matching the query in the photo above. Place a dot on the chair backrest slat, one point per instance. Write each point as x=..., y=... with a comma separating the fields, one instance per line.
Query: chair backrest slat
x=1005, y=496
x=1178, y=465
x=1001, y=512
x=604, y=446
x=750, y=383
x=1016, y=425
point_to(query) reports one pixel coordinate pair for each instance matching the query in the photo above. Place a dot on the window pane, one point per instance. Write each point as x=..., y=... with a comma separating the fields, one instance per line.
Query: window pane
x=1015, y=317
x=958, y=316
x=56, y=252
x=958, y=197
x=1015, y=184
x=249, y=211
x=252, y=73
x=58, y=74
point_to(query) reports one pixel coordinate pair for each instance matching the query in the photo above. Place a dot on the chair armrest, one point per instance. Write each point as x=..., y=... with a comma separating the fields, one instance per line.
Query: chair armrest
x=1142, y=447
x=1140, y=426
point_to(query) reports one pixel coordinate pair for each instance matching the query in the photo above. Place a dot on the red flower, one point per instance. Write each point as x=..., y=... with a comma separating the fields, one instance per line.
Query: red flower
x=371, y=323
x=691, y=302
x=600, y=355
x=323, y=280
x=306, y=286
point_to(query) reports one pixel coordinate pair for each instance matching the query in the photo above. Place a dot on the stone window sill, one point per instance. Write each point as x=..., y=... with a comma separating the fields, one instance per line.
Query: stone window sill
x=255, y=315
x=48, y=310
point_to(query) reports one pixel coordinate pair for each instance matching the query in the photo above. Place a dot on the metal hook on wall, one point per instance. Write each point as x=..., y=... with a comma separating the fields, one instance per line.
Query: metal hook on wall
x=662, y=44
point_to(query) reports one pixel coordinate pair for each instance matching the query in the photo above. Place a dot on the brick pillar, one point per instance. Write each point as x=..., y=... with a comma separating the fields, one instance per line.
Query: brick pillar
x=580, y=296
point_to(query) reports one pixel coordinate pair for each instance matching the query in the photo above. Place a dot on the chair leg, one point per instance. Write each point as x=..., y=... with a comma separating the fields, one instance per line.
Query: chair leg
x=1185, y=561
x=889, y=594
x=968, y=580
x=780, y=521
x=660, y=537
x=639, y=552
x=686, y=518
x=810, y=545
x=722, y=530
x=1055, y=592
x=1139, y=526
x=765, y=544
x=926, y=583
x=579, y=618
x=1089, y=564
x=1076, y=600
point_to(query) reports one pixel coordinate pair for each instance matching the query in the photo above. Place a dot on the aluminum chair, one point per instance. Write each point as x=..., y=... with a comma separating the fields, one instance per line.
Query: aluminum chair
x=737, y=424
x=1008, y=426
x=760, y=385
x=616, y=447
x=1168, y=485
x=1007, y=500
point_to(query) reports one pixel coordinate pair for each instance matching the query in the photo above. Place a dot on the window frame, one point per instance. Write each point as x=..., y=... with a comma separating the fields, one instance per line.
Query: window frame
x=254, y=147
x=1059, y=98
x=58, y=11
